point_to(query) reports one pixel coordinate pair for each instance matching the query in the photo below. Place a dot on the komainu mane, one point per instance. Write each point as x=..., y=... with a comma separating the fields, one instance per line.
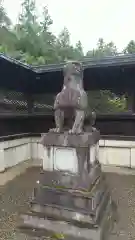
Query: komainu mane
x=72, y=101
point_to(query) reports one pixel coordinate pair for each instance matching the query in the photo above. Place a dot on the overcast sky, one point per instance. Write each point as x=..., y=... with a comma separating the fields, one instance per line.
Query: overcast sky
x=88, y=20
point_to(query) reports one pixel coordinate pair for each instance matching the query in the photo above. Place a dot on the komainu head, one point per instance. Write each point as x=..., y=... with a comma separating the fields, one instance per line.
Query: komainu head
x=73, y=68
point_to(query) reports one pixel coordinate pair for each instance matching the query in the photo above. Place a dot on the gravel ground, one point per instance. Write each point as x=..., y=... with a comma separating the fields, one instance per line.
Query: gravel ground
x=14, y=197
x=123, y=192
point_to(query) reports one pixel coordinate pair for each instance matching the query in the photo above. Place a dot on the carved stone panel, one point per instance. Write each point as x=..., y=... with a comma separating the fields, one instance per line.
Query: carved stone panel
x=65, y=159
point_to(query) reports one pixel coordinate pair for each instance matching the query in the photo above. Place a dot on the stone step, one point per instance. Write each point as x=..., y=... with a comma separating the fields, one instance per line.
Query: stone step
x=79, y=201
x=75, y=219
x=44, y=227
x=71, y=212
x=33, y=224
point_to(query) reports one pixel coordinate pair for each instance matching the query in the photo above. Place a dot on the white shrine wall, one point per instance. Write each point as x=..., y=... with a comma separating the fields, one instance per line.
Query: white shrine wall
x=111, y=152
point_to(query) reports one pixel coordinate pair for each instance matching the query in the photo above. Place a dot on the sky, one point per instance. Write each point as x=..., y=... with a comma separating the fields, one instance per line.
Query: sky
x=87, y=20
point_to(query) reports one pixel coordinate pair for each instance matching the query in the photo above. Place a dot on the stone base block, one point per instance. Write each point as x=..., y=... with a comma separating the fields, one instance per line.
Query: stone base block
x=72, y=200
x=38, y=227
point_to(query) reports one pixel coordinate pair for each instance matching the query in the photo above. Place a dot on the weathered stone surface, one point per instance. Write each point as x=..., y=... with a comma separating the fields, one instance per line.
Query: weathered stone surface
x=72, y=101
x=65, y=180
x=78, y=204
x=73, y=201
x=70, y=140
x=48, y=227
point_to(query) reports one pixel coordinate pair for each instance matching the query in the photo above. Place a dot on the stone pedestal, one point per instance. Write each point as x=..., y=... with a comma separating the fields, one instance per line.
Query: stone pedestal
x=72, y=200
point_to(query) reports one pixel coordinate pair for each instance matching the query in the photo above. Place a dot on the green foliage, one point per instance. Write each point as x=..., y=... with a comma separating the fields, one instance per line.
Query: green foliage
x=103, y=49
x=32, y=42
x=28, y=15
x=130, y=47
x=58, y=236
x=46, y=21
x=106, y=102
x=4, y=19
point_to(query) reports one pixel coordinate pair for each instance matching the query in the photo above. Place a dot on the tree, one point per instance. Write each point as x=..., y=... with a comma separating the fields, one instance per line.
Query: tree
x=65, y=49
x=31, y=41
x=27, y=30
x=130, y=48
x=28, y=15
x=4, y=19
x=7, y=40
x=78, y=51
x=46, y=21
x=64, y=38
x=34, y=37
x=106, y=102
x=103, y=49
x=7, y=37
x=47, y=39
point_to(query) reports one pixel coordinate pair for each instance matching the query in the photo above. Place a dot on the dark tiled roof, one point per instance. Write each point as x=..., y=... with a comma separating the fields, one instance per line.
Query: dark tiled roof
x=121, y=59
x=118, y=60
x=106, y=73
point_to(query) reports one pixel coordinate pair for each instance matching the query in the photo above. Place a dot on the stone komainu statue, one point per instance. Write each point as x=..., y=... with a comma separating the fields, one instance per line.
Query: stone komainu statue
x=72, y=101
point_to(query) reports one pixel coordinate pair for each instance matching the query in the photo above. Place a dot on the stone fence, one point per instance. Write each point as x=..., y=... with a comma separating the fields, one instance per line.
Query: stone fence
x=19, y=148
